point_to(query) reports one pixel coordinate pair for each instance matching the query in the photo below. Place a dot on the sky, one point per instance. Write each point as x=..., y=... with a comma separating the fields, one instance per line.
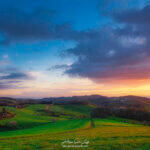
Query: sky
x=56, y=48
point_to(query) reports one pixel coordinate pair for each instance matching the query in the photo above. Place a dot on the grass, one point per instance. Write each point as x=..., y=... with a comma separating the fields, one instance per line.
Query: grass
x=115, y=122
x=60, y=126
x=27, y=117
x=35, y=115
x=108, y=134
x=100, y=137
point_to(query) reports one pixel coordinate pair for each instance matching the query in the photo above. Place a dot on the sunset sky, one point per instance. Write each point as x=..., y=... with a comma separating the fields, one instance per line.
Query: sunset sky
x=74, y=47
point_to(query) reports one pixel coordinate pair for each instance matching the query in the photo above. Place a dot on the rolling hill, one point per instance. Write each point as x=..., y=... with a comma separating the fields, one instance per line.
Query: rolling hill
x=36, y=130
x=59, y=123
x=123, y=101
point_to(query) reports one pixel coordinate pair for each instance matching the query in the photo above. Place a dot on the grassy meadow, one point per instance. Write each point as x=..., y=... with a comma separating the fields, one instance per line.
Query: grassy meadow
x=35, y=130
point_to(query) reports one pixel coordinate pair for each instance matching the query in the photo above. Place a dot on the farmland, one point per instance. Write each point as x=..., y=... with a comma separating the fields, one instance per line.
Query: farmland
x=36, y=130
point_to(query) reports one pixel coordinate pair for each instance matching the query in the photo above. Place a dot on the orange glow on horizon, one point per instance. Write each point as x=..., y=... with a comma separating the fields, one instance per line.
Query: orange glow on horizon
x=71, y=87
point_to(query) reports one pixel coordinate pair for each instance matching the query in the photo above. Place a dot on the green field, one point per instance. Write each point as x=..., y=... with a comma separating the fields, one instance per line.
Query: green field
x=36, y=131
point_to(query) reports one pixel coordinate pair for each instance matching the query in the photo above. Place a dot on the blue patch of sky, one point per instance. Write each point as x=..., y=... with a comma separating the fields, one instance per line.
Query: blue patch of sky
x=37, y=56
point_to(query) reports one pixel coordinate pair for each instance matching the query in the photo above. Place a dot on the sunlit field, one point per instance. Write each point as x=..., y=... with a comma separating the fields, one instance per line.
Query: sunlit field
x=36, y=130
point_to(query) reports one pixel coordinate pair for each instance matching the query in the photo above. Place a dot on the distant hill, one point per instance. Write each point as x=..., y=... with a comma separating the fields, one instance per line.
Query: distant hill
x=73, y=98
x=7, y=101
x=131, y=102
x=103, y=101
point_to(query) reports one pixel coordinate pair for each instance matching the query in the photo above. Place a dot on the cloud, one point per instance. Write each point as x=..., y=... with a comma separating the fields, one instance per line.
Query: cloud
x=110, y=52
x=12, y=78
x=18, y=25
x=136, y=21
x=134, y=16
x=120, y=53
x=3, y=63
x=5, y=56
x=9, y=85
x=109, y=6
x=64, y=66
x=5, y=86
x=17, y=75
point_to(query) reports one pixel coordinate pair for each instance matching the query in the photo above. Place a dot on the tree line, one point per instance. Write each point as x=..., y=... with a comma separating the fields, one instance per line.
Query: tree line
x=128, y=113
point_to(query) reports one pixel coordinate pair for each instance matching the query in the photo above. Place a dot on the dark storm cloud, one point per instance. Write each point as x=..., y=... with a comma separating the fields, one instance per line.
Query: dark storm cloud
x=115, y=53
x=137, y=22
x=134, y=16
x=17, y=25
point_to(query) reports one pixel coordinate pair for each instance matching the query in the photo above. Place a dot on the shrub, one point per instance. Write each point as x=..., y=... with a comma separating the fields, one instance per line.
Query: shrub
x=12, y=123
x=53, y=120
